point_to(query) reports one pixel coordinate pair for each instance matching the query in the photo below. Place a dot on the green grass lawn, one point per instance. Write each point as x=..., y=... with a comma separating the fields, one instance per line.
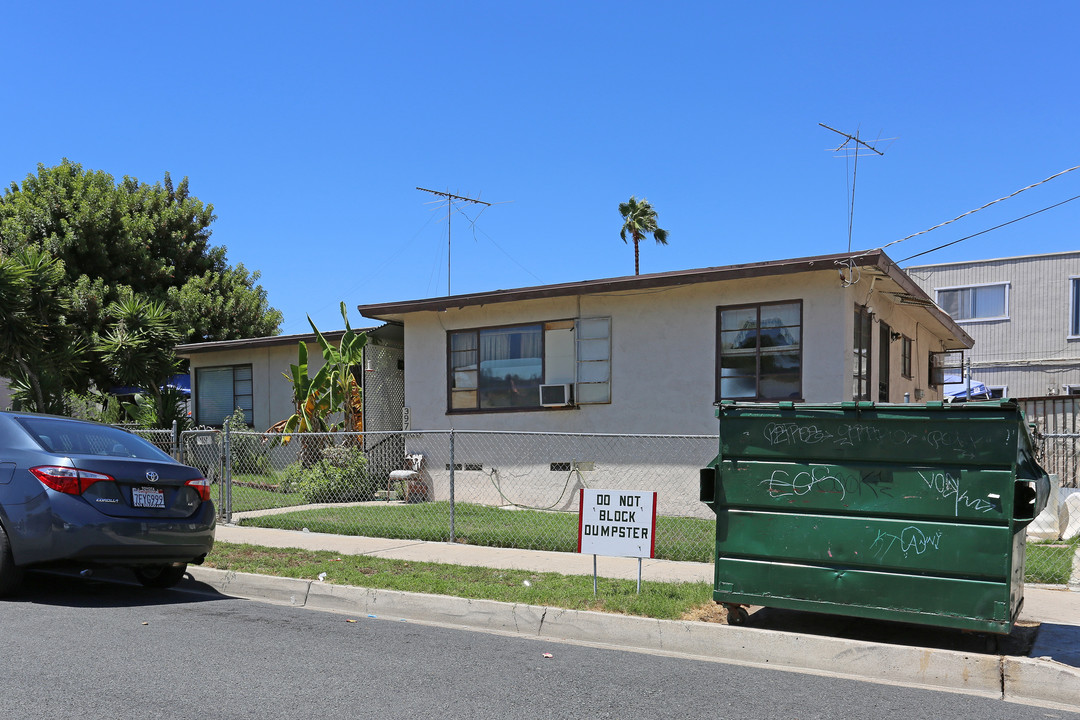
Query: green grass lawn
x=690, y=539
x=663, y=600
x=1048, y=562
x=686, y=539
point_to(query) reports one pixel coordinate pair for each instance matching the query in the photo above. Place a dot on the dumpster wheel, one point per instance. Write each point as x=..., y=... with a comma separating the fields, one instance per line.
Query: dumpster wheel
x=736, y=614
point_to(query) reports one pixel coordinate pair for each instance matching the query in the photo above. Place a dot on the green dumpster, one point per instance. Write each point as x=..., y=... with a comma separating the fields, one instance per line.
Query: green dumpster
x=905, y=512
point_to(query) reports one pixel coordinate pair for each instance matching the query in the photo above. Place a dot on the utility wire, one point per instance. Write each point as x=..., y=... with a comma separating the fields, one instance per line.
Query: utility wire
x=969, y=212
x=996, y=227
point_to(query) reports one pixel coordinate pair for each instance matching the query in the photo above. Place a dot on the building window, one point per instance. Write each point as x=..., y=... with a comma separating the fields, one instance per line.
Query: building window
x=905, y=357
x=860, y=385
x=760, y=352
x=1074, y=307
x=219, y=391
x=501, y=368
x=945, y=367
x=498, y=367
x=593, y=356
x=977, y=302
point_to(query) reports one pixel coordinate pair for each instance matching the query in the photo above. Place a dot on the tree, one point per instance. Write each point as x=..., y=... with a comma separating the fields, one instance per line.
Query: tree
x=117, y=242
x=639, y=220
x=138, y=348
x=39, y=352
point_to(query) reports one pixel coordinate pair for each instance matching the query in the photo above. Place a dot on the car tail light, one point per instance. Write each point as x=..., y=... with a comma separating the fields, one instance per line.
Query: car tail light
x=201, y=486
x=71, y=481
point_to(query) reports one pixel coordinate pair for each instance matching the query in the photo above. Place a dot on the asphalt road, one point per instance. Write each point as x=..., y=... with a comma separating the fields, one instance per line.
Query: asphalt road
x=75, y=648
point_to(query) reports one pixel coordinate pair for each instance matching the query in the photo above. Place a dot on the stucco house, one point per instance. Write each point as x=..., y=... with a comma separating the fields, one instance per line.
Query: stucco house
x=653, y=353
x=1023, y=313
x=247, y=374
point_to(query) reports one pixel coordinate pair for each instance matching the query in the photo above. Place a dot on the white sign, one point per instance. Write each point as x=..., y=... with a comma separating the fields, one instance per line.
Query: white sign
x=617, y=523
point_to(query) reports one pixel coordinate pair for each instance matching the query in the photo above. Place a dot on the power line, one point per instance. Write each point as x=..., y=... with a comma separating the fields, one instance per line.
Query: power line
x=996, y=227
x=969, y=212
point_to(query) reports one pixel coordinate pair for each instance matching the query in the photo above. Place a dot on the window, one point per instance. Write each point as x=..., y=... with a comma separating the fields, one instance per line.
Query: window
x=978, y=302
x=593, y=360
x=760, y=351
x=946, y=367
x=1074, y=307
x=905, y=357
x=998, y=391
x=496, y=367
x=220, y=391
x=500, y=368
x=864, y=323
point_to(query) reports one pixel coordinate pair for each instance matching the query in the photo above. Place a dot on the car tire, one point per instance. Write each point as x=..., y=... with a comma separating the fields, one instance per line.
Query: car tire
x=160, y=576
x=10, y=574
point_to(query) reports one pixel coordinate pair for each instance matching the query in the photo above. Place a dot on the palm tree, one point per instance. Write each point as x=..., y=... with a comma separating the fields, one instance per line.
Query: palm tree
x=639, y=219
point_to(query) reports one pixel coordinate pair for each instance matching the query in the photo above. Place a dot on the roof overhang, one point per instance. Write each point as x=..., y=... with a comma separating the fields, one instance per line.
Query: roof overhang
x=388, y=333
x=898, y=287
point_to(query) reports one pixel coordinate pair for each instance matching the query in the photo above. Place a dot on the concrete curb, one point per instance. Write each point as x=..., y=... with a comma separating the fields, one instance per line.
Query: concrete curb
x=1017, y=679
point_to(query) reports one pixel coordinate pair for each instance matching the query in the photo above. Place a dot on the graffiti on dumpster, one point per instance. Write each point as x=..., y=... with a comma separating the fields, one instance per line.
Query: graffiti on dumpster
x=826, y=479
x=948, y=486
x=964, y=445
x=780, y=484
x=910, y=540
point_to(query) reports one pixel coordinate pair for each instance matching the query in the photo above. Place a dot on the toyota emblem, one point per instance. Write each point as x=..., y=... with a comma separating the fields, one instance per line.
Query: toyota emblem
x=151, y=476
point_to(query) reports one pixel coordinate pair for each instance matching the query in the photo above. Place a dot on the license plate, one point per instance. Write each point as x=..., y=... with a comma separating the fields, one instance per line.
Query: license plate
x=147, y=497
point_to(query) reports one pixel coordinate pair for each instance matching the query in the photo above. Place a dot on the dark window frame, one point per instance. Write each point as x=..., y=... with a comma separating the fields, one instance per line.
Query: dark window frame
x=476, y=331
x=197, y=413
x=862, y=353
x=718, y=344
x=907, y=347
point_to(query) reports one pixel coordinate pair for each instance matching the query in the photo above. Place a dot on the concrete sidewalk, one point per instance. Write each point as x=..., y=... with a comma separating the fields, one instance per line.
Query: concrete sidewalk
x=1050, y=676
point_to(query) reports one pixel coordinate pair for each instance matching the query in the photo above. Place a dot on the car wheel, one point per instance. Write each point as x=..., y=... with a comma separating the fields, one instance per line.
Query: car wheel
x=10, y=575
x=160, y=576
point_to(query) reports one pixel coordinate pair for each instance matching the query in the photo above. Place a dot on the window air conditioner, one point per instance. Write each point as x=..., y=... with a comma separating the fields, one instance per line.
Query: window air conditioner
x=555, y=395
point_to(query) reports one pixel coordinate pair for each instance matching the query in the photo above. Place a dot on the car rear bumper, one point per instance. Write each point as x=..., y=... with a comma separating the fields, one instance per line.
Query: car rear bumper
x=66, y=528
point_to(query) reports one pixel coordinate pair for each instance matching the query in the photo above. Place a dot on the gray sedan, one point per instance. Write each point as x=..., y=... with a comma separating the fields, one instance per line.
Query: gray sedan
x=76, y=492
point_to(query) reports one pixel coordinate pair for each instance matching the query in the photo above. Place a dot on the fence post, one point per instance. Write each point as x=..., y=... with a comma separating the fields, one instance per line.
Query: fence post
x=226, y=460
x=175, y=441
x=453, y=534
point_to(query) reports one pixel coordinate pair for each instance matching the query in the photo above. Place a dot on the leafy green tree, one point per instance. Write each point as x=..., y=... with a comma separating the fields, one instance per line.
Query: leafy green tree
x=639, y=220
x=138, y=349
x=116, y=242
x=39, y=352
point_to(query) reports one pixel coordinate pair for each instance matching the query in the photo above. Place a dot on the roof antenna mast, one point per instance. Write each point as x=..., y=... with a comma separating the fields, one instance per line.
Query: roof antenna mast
x=450, y=199
x=851, y=146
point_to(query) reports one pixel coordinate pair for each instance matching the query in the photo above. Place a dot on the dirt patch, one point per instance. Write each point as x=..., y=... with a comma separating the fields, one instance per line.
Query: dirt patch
x=708, y=612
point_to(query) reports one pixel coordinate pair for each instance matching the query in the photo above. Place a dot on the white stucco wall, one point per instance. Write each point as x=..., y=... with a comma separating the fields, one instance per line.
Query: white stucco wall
x=272, y=393
x=663, y=353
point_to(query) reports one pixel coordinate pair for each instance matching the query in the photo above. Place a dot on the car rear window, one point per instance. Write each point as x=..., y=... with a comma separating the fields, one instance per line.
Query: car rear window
x=77, y=438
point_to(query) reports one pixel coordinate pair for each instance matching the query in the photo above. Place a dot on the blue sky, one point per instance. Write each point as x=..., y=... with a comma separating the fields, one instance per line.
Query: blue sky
x=309, y=126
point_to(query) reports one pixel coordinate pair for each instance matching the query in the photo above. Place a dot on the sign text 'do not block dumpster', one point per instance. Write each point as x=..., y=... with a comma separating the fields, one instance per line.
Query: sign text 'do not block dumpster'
x=896, y=512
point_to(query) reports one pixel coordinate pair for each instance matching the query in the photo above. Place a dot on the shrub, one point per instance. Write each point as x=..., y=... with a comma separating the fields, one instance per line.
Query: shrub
x=339, y=475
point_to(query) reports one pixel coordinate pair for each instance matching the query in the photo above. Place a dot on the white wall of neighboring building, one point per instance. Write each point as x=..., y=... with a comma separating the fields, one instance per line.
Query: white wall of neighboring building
x=664, y=352
x=1030, y=351
x=272, y=393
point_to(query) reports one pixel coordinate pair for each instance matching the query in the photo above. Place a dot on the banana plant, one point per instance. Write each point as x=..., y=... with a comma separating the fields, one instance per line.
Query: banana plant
x=332, y=389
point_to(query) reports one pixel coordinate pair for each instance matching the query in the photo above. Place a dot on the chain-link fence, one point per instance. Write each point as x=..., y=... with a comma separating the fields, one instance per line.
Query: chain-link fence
x=167, y=440
x=503, y=489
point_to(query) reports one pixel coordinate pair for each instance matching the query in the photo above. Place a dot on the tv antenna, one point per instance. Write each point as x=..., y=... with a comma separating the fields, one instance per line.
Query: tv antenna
x=852, y=147
x=450, y=199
